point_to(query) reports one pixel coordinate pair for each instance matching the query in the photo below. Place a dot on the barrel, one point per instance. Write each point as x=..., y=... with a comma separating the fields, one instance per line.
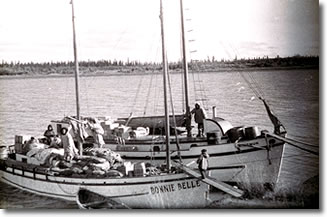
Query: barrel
x=251, y=132
x=214, y=137
x=235, y=133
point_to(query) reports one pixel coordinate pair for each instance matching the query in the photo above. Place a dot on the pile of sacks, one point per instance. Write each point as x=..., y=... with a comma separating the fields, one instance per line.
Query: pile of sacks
x=94, y=162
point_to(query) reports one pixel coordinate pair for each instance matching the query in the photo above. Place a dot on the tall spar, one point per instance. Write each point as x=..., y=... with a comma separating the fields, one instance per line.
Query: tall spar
x=80, y=147
x=185, y=66
x=165, y=83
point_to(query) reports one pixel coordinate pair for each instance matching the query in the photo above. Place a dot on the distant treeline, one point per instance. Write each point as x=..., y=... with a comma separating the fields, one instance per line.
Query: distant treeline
x=106, y=66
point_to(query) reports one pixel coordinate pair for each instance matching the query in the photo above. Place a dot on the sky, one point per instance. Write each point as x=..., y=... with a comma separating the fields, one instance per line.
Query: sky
x=41, y=30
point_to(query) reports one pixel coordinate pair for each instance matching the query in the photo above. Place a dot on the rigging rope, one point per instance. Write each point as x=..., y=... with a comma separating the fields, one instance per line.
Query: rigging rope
x=148, y=94
x=202, y=96
x=137, y=92
x=150, y=87
x=156, y=94
x=65, y=97
x=174, y=118
x=196, y=88
x=252, y=84
x=256, y=84
x=86, y=84
x=303, y=143
x=304, y=149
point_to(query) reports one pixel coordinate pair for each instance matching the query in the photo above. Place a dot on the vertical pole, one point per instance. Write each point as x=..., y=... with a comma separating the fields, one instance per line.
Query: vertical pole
x=213, y=112
x=165, y=76
x=185, y=65
x=80, y=148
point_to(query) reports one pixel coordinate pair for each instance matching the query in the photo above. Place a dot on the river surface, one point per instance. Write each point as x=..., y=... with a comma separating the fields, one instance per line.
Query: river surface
x=28, y=104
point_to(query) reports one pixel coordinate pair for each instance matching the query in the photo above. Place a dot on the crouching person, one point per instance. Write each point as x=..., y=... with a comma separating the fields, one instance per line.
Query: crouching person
x=70, y=151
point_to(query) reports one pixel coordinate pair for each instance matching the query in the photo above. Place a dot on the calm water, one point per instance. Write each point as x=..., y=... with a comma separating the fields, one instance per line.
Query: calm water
x=28, y=104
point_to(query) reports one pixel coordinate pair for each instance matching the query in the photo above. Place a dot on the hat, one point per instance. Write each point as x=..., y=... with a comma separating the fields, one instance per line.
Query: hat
x=204, y=150
x=198, y=104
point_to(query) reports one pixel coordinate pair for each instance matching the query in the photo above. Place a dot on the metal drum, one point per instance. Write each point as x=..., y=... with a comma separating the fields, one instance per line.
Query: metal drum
x=235, y=133
x=251, y=132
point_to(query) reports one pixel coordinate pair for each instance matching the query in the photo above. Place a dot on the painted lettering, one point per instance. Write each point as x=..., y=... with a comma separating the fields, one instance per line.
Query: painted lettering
x=161, y=189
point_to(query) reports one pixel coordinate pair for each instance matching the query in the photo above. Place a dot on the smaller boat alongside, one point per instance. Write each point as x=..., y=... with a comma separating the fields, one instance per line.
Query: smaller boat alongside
x=90, y=200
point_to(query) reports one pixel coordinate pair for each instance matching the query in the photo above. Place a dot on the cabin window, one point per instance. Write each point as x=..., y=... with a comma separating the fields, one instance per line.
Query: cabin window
x=156, y=148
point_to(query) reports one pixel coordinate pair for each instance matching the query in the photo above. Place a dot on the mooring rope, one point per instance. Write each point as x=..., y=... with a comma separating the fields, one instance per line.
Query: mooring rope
x=304, y=149
x=303, y=143
x=291, y=142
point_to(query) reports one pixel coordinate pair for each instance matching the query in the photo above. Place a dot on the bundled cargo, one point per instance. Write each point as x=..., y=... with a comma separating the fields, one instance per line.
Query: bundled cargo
x=20, y=140
x=126, y=169
x=139, y=169
x=111, y=156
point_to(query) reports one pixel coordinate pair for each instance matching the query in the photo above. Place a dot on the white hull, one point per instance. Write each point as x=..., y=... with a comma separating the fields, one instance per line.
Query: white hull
x=251, y=163
x=164, y=191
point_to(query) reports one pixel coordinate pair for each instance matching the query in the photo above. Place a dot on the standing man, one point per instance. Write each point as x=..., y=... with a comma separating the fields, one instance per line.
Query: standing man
x=97, y=131
x=70, y=151
x=203, y=163
x=199, y=117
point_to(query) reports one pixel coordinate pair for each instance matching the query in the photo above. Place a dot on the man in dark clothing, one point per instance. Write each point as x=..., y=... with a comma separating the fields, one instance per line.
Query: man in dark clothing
x=199, y=117
x=49, y=134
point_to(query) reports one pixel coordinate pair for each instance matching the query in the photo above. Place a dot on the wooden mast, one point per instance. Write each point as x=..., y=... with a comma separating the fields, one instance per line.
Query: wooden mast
x=80, y=148
x=185, y=65
x=165, y=83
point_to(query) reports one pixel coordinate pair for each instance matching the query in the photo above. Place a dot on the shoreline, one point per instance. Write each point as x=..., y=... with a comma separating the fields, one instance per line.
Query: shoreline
x=124, y=72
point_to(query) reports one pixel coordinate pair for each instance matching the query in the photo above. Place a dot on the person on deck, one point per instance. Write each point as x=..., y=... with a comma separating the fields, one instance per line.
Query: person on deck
x=49, y=134
x=199, y=117
x=30, y=144
x=70, y=151
x=277, y=124
x=203, y=163
x=97, y=131
x=55, y=142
